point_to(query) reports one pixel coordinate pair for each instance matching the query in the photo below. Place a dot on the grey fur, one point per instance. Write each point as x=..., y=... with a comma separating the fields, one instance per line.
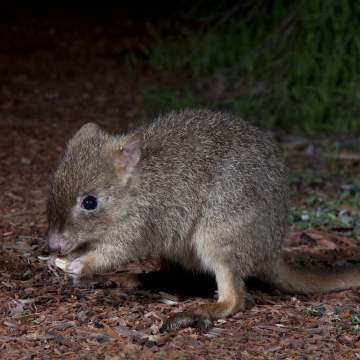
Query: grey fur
x=209, y=189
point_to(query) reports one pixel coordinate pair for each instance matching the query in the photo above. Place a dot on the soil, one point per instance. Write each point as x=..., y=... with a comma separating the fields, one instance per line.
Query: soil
x=58, y=72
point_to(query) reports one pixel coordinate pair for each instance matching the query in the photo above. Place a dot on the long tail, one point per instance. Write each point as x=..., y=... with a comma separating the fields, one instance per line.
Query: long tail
x=306, y=281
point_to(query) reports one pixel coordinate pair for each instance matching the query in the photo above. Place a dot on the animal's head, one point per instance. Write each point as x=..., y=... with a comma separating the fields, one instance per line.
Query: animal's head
x=88, y=187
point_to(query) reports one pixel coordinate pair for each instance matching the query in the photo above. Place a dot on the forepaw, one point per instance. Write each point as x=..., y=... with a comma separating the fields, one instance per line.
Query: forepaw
x=186, y=319
x=81, y=273
x=76, y=268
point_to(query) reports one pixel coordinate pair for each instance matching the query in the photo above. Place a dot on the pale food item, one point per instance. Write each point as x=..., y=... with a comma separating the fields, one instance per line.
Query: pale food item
x=61, y=263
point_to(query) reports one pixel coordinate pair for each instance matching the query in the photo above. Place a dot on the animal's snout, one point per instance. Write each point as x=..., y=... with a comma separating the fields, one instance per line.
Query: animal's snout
x=56, y=243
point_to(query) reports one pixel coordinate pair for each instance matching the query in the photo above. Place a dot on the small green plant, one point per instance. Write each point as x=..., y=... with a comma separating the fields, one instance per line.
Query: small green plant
x=316, y=212
x=321, y=213
x=316, y=310
x=350, y=324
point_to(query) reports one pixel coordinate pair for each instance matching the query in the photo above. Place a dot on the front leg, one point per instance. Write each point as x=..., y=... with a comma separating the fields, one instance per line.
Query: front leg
x=232, y=295
x=85, y=270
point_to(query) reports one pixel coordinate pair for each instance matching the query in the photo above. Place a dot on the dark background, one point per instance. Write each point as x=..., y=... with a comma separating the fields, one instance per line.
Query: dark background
x=291, y=65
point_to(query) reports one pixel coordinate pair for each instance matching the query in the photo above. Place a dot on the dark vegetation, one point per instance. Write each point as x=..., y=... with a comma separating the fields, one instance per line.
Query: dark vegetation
x=281, y=63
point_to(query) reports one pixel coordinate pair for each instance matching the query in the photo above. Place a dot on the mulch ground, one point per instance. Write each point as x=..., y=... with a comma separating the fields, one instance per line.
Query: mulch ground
x=55, y=75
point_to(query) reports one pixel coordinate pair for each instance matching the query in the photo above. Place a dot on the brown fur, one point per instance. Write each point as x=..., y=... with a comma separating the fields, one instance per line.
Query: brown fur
x=198, y=188
x=305, y=281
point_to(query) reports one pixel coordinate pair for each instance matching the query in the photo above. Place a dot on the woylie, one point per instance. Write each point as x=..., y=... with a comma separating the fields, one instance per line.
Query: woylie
x=201, y=189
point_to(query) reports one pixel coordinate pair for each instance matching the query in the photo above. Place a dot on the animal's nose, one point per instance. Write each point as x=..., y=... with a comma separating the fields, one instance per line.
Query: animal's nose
x=55, y=242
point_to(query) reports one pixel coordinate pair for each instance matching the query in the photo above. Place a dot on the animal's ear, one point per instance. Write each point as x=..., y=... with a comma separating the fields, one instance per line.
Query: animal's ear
x=88, y=130
x=128, y=155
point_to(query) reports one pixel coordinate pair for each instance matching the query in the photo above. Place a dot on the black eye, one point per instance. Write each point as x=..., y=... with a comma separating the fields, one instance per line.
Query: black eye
x=89, y=203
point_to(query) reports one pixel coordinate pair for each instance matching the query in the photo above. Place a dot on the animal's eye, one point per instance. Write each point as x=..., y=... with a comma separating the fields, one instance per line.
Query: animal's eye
x=89, y=203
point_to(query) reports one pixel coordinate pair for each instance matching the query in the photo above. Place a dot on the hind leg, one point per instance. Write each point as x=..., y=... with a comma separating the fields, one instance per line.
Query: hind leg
x=232, y=293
